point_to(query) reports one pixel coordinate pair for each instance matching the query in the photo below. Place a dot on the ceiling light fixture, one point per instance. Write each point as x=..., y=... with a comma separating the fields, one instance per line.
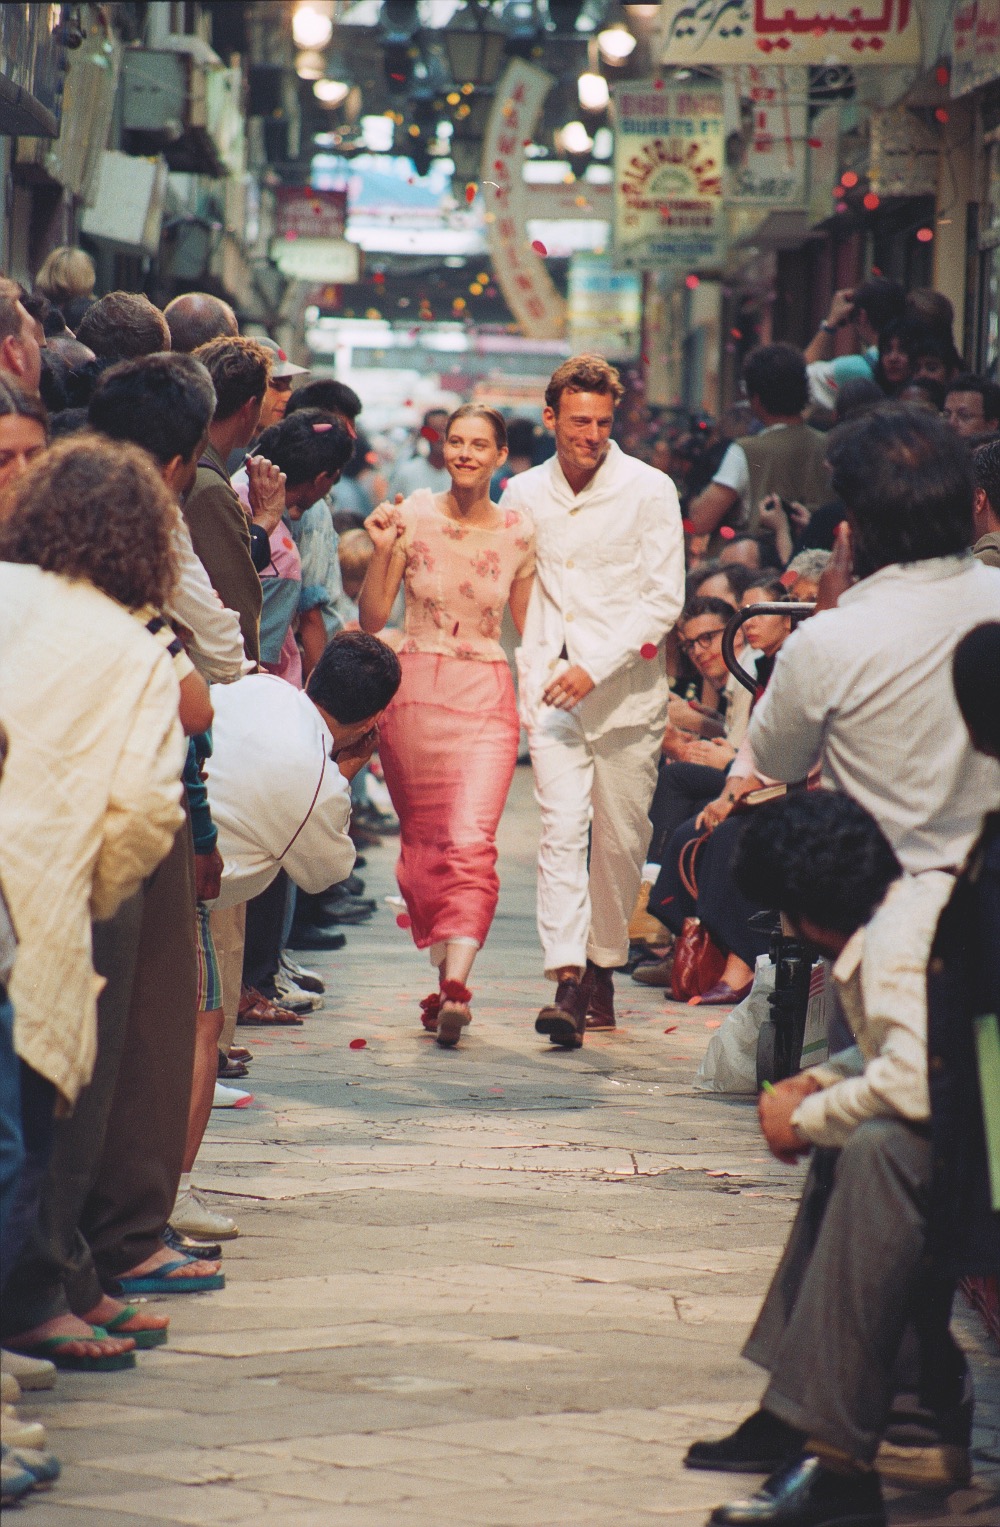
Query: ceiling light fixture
x=575, y=139
x=331, y=92
x=616, y=44
x=312, y=26
x=593, y=92
x=310, y=65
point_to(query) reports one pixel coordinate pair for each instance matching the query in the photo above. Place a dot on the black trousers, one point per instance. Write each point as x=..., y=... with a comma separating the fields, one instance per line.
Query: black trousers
x=682, y=790
x=265, y=920
x=722, y=907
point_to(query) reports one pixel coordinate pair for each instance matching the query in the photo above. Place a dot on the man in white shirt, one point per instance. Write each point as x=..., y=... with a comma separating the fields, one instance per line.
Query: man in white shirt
x=593, y=688
x=866, y=687
x=852, y=1282
x=282, y=761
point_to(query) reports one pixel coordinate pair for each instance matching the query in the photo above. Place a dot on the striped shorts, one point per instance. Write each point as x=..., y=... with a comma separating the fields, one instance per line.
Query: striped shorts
x=209, y=975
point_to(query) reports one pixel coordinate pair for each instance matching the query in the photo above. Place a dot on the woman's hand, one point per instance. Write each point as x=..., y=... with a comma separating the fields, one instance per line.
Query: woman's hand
x=385, y=526
x=715, y=812
x=713, y=752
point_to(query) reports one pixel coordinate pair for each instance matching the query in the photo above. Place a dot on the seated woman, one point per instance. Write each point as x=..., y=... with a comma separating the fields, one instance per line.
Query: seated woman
x=720, y=906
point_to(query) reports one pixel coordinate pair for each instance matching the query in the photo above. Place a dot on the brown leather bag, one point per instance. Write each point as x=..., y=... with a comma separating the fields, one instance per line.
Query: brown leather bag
x=698, y=960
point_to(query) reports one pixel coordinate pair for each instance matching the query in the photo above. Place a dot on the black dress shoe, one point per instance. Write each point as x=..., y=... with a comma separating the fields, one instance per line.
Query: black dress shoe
x=805, y=1494
x=354, y=885
x=178, y=1241
x=762, y=1444
x=316, y=938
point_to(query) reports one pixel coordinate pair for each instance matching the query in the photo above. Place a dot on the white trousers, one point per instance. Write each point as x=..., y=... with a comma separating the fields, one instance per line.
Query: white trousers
x=601, y=787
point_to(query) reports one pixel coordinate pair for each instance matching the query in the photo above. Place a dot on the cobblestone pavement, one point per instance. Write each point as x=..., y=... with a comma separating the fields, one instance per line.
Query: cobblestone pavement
x=499, y=1285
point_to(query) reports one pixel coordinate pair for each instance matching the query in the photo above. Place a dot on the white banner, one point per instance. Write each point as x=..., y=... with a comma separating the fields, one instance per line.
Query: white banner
x=519, y=269
x=792, y=31
x=769, y=109
x=669, y=151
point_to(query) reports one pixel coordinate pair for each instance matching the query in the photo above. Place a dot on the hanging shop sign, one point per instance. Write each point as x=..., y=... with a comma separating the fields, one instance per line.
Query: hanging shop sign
x=303, y=213
x=791, y=31
x=669, y=152
x=824, y=162
x=975, y=45
x=766, y=121
x=520, y=269
x=605, y=308
x=903, y=154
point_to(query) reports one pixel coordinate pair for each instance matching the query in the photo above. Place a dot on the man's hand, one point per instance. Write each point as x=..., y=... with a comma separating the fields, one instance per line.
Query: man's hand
x=841, y=307
x=208, y=875
x=568, y=689
x=713, y=752
x=384, y=525
x=266, y=490
x=838, y=575
x=715, y=812
x=771, y=513
x=775, y=1109
x=675, y=743
x=352, y=758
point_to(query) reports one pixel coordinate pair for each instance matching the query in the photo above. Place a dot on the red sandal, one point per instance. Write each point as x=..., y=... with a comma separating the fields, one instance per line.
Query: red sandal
x=453, y=1014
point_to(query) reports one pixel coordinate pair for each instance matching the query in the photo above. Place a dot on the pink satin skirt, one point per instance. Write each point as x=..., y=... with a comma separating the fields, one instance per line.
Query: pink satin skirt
x=448, y=746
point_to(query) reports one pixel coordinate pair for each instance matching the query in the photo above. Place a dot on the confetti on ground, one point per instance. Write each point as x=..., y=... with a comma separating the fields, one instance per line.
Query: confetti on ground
x=672, y=1029
x=359, y=1044
x=539, y=247
x=713, y=1023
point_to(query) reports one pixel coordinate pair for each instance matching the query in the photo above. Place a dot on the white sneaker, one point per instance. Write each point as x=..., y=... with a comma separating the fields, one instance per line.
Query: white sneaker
x=292, y=996
x=230, y=1097
x=30, y=1372
x=17, y=1433
x=307, y=979
x=10, y=1389
x=192, y=1216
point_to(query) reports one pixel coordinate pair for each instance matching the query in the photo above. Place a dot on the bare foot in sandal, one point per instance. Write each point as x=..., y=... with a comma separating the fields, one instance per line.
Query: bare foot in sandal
x=160, y=1258
x=71, y=1325
x=109, y=1309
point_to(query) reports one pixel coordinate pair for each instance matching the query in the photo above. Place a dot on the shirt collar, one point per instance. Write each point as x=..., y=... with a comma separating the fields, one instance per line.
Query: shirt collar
x=850, y=956
x=605, y=469
x=930, y=570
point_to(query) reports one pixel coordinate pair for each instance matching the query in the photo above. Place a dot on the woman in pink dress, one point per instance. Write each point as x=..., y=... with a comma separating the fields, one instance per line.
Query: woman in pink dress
x=448, y=742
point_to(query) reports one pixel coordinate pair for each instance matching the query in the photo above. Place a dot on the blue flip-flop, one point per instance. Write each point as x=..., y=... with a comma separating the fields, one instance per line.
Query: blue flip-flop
x=160, y=1282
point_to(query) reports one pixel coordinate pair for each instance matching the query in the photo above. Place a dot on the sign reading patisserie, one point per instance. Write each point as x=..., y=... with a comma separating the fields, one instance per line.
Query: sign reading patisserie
x=792, y=31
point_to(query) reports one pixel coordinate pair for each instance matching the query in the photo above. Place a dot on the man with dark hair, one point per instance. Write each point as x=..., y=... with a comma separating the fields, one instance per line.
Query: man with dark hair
x=20, y=349
x=866, y=688
x=972, y=406
x=123, y=325
x=221, y=533
x=786, y=458
x=986, y=505
x=609, y=585
x=327, y=393
x=283, y=758
x=851, y=1289
x=196, y=317
x=869, y=307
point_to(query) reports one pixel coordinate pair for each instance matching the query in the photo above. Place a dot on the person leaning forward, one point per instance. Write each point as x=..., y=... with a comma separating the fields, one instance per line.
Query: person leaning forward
x=593, y=686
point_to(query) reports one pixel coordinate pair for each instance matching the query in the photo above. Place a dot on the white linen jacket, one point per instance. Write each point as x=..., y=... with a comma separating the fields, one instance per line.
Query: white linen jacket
x=609, y=585
x=90, y=800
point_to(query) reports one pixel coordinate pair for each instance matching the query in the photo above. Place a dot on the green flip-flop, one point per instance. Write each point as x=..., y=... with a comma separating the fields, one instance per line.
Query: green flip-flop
x=53, y=1347
x=143, y=1339
x=160, y=1282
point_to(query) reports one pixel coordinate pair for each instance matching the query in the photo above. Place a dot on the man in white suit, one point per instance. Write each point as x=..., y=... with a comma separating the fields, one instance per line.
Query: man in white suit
x=609, y=587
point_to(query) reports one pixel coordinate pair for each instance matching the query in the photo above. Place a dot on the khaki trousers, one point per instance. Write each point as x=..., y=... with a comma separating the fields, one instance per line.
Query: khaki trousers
x=228, y=932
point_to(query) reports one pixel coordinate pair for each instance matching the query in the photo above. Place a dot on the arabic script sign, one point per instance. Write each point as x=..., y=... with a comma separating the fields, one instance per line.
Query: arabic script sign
x=975, y=44
x=669, y=150
x=804, y=32
x=769, y=101
x=528, y=288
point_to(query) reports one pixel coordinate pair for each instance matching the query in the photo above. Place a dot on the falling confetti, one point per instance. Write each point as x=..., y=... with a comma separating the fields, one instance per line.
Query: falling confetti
x=727, y=532
x=648, y=650
x=539, y=247
x=403, y=920
x=687, y=527
x=359, y=1044
x=470, y=192
x=815, y=142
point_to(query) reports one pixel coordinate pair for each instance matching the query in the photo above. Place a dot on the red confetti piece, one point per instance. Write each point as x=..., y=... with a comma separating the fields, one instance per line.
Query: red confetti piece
x=359, y=1044
x=648, y=650
x=815, y=142
x=924, y=235
x=713, y=1023
x=430, y=434
x=870, y=201
x=691, y=282
x=841, y=206
x=727, y=532
x=470, y=193
x=672, y=1029
x=687, y=527
x=941, y=74
x=454, y=629
x=941, y=114
x=657, y=84
x=849, y=179
x=539, y=247
x=403, y=920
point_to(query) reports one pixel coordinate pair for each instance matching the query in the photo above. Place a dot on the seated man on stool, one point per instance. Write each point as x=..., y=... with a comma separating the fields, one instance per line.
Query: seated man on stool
x=853, y=1316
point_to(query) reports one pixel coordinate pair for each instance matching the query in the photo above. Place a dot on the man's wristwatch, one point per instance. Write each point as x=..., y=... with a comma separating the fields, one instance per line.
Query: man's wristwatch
x=826, y=327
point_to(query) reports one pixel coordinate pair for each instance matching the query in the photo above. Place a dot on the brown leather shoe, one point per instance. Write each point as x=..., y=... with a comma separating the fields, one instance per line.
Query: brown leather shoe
x=255, y=1011
x=600, y=997
x=564, y=1021
x=657, y=973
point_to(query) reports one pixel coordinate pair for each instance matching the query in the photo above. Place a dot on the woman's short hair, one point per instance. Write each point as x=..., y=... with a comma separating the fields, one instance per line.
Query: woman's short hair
x=98, y=510
x=239, y=369
x=14, y=401
x=66, y=273
x=494, y=419
x=906, y=479
x=584, y=373
x=811, y=563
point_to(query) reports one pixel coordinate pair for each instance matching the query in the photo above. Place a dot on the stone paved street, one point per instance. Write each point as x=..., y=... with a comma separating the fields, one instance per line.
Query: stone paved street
x=499, y=1285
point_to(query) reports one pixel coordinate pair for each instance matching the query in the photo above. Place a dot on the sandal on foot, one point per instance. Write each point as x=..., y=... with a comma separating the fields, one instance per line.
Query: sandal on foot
x=453, y=1014
x=53, y=1348
x=429, y=1009
x=153, y=1336
x=160, y=1281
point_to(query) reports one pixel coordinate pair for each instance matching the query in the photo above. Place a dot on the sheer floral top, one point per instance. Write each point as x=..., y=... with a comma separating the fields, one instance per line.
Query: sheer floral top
x=458, y=578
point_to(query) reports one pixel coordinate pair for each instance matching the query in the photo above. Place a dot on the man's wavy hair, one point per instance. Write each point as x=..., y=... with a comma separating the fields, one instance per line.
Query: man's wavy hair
x=98, y=510
x=584, y=373
x=239, y=369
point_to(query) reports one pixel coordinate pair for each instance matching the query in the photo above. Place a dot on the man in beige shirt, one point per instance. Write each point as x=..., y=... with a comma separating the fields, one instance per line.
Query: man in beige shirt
x=851, y=1316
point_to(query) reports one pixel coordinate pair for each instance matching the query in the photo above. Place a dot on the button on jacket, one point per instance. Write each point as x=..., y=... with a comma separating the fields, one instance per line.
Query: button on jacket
x=866, y=688
x=277, y=798
x=609, y=581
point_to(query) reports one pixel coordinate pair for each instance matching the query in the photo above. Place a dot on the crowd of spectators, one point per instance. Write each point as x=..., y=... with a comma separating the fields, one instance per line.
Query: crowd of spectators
x=188, y=714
